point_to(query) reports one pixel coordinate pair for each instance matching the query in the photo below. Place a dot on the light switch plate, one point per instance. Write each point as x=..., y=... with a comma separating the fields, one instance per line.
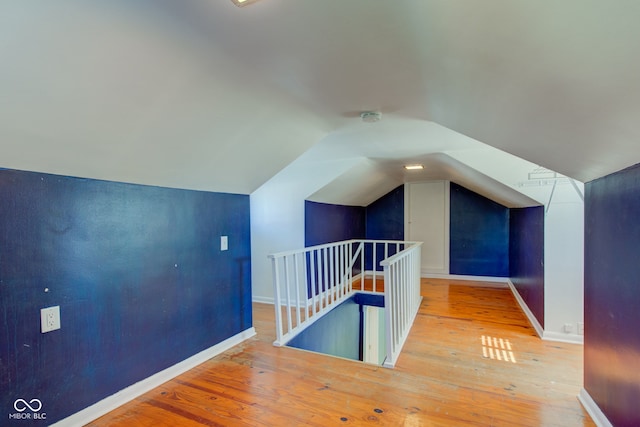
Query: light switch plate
x=224, y=243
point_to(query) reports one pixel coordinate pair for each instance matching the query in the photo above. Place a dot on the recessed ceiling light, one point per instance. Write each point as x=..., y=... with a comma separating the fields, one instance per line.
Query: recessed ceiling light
x=241, y=3
x=413, y=167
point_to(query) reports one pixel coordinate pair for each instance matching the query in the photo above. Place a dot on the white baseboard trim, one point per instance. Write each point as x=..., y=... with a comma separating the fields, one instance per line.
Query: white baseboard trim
x=532, y=319
x=593, y=409
x=263, y=300
x=269, y=300
x=428, y=272
x=496, y=282
x=506, y=282
x=118, y=399
x=560, y=337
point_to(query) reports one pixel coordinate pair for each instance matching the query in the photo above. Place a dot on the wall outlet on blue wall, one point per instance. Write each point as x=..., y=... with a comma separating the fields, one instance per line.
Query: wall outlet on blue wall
x=224, y=243
x=50, y=319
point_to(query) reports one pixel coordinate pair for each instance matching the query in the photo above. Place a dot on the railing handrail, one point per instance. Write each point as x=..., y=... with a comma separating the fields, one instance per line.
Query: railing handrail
x=328, y=245
x=401, y=254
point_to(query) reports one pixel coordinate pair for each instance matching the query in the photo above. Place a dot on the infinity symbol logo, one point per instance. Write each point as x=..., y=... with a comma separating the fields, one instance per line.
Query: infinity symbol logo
x=21, y=405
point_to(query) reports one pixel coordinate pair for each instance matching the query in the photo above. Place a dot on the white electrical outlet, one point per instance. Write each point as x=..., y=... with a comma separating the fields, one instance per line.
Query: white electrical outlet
x=580, y=328
x=224, y=243
x=50, y=319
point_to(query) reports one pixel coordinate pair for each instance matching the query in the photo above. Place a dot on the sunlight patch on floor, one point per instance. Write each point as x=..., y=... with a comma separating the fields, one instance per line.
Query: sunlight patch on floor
x=497, y=349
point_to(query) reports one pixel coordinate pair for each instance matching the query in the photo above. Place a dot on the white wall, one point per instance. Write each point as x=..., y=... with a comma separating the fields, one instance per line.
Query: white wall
x=277, y=224
x=564, y=262
x=277, y=210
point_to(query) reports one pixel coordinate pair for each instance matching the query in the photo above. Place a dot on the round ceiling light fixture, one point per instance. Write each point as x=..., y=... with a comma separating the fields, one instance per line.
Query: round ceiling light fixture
x=370, y=116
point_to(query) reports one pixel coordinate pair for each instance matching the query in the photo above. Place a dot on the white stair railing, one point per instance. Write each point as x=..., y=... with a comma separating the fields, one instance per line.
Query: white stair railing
x=401, y=298
x=311, y=281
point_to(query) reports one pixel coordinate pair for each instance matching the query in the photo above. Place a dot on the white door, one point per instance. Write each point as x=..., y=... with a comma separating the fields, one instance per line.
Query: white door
x=427, y=220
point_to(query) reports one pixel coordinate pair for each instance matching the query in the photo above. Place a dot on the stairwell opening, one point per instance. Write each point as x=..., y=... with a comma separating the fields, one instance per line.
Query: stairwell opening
x=354, y=329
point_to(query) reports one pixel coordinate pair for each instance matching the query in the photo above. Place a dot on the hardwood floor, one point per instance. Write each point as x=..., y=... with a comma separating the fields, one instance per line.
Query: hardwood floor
x=445, y=376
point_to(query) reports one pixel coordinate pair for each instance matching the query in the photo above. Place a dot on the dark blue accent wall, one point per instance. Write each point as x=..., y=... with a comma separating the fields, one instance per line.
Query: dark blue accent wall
x=137, y=272
x=485, y=240
x=526, y=256
x=612, y=295
x=326, y=223
x=385, y=216
x=479, y=235
x=385, y=221
x=382, y=220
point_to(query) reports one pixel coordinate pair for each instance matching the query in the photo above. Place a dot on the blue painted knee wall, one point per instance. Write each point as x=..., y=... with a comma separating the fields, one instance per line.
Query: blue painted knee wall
x=137, y=272
x=479, y=235
x=612, y=294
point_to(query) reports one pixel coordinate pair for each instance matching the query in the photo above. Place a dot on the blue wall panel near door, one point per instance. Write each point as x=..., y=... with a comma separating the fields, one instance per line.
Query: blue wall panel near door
x=526, y=257
x=479, y=235
x=326, y=223
x=137, y=272
x=385, y=216
x=382, y=219
x=612, y=295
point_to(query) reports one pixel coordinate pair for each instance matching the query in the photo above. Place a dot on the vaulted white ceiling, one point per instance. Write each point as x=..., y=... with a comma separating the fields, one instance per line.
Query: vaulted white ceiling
x=203, y=95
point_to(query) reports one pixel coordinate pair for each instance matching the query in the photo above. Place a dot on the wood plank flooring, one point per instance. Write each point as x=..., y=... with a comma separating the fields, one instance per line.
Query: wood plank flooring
x=445, y=376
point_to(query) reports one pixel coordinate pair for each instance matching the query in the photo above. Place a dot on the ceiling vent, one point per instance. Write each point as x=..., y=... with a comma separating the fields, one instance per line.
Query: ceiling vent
x=371, y=116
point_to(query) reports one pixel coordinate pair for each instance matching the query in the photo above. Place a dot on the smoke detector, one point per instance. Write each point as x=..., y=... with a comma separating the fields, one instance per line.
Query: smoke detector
x=370, y=116
x=241, y=3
